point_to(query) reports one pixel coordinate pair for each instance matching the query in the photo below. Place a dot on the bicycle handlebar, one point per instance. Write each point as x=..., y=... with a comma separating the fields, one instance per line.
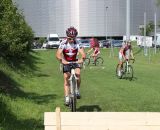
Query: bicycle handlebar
x=72, y=64
x=133, y=60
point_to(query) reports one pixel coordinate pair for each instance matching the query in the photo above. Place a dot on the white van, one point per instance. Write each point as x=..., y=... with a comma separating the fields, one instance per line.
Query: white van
x=53, y=41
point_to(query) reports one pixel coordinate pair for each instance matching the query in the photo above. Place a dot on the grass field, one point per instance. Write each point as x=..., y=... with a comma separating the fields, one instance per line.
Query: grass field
x=37, y=87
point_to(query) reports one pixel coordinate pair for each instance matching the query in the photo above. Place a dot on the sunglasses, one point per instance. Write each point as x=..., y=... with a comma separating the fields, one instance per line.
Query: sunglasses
x=69, y=38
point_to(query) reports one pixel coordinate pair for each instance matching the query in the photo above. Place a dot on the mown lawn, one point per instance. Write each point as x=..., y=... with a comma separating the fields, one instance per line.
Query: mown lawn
x=26, y=92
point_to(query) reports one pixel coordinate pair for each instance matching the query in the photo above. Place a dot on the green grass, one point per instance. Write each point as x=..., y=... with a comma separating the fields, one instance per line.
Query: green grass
x=30, y=90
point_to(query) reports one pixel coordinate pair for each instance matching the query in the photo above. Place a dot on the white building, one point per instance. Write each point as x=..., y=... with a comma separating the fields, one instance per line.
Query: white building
x=90, y=17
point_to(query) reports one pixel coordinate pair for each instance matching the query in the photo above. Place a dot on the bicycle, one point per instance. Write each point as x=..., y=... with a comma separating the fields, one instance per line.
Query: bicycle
x=126, y=70
x=73, y=87
x=99, y=61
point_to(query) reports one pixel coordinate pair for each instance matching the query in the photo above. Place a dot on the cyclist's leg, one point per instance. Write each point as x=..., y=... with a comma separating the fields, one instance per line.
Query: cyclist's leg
x=78, y=74
x=120, y=64
x=127, y=55
x=94, y=57
x=66, y=75
x=66, y=83
x=97, y=55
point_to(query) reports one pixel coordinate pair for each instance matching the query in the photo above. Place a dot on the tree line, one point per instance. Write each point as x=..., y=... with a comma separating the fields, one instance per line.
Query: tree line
x=16, y=36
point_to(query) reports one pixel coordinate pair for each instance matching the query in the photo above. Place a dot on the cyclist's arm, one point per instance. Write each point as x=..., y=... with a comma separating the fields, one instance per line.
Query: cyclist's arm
x=83, y=55
x=59, y=56
x=89, y=50
x=131, y=54
x=122, y=52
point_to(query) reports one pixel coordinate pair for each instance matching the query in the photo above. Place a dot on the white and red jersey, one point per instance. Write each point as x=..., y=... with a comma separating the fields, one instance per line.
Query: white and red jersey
x=96, y=50
x=124, y=49
x=70, y=50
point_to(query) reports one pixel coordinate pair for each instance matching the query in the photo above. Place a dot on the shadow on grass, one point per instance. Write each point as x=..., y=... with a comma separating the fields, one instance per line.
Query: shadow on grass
x=27, y=62
x=12, y=89
x=27, y=66
x=89, y=108
x=8, y=121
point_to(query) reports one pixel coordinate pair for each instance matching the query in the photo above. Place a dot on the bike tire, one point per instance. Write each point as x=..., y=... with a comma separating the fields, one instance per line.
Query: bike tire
x=73, y=98
x=99, y=61
x=73, y=104
x=129, y=74
x=117, y=71
x=87, y=61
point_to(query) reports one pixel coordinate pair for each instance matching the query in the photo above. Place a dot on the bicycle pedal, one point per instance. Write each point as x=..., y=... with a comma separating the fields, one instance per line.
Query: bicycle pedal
x=78, y=96
x=66, y=104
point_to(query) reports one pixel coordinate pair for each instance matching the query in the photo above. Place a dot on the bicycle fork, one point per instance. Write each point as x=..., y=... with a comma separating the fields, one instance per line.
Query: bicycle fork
x=73, y=82
x=127, y=67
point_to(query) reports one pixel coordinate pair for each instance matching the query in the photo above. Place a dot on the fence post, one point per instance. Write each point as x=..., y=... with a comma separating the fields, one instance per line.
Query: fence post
x=58, y=119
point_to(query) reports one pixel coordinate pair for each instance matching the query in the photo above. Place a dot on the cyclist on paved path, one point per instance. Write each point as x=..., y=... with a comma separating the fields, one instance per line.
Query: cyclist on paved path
x=94, y=47
x=125, y=53
x=67, y=52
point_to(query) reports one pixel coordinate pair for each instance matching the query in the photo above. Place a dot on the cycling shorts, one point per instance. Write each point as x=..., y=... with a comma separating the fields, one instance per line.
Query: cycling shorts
x=67, y=67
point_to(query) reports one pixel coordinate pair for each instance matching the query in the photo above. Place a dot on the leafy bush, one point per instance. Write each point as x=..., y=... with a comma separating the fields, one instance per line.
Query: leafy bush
x=16, y=35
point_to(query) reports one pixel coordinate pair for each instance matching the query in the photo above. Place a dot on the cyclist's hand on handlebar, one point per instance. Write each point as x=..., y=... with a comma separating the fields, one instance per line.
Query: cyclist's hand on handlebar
x=80, y=61
x=64, y=61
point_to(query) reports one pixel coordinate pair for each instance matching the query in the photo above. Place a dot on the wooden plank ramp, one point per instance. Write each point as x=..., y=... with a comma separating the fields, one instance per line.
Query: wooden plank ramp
x=101, y=120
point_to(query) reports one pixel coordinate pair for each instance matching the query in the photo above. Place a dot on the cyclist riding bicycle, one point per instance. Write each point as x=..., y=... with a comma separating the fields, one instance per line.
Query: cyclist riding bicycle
x=67, y=52
x=125, y=53
x=95, y=48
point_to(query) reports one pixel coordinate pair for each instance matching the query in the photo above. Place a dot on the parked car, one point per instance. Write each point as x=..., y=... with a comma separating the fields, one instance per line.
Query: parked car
x=85, y=42
x=53, y=40
x=117, y=43
x=105, y=43
x=157, y=46
x=45, y=45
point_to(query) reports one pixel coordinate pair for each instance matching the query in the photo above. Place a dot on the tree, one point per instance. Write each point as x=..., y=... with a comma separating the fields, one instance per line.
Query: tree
x=149, y=29
x=158, y=3
x=16, y=35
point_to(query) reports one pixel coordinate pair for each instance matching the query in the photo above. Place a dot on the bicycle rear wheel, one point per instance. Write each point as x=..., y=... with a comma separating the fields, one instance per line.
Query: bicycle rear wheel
x=99, y=61
x=129, y=72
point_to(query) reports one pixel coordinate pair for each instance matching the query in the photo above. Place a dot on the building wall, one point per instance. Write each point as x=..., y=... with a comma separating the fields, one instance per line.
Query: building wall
x=90, y=17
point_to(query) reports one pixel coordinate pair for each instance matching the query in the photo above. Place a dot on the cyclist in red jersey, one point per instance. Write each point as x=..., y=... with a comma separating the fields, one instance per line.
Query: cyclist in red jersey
x=67, y=52
x=94, y=47
x=125, y=53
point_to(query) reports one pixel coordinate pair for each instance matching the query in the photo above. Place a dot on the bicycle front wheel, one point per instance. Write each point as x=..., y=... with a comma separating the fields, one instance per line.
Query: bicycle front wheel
x=73, y=97
x=129, y=72
x=99, y=61
x=73, y=103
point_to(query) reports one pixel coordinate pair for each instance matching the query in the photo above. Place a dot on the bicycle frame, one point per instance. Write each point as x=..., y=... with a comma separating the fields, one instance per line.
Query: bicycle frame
x=126, y=70
x=72, y=77
x=126, y=66
x=73, y=87
x=90, y=59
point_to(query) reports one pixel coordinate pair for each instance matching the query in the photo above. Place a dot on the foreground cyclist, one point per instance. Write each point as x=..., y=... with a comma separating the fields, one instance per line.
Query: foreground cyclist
x=67, y=52
x=125, y=53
